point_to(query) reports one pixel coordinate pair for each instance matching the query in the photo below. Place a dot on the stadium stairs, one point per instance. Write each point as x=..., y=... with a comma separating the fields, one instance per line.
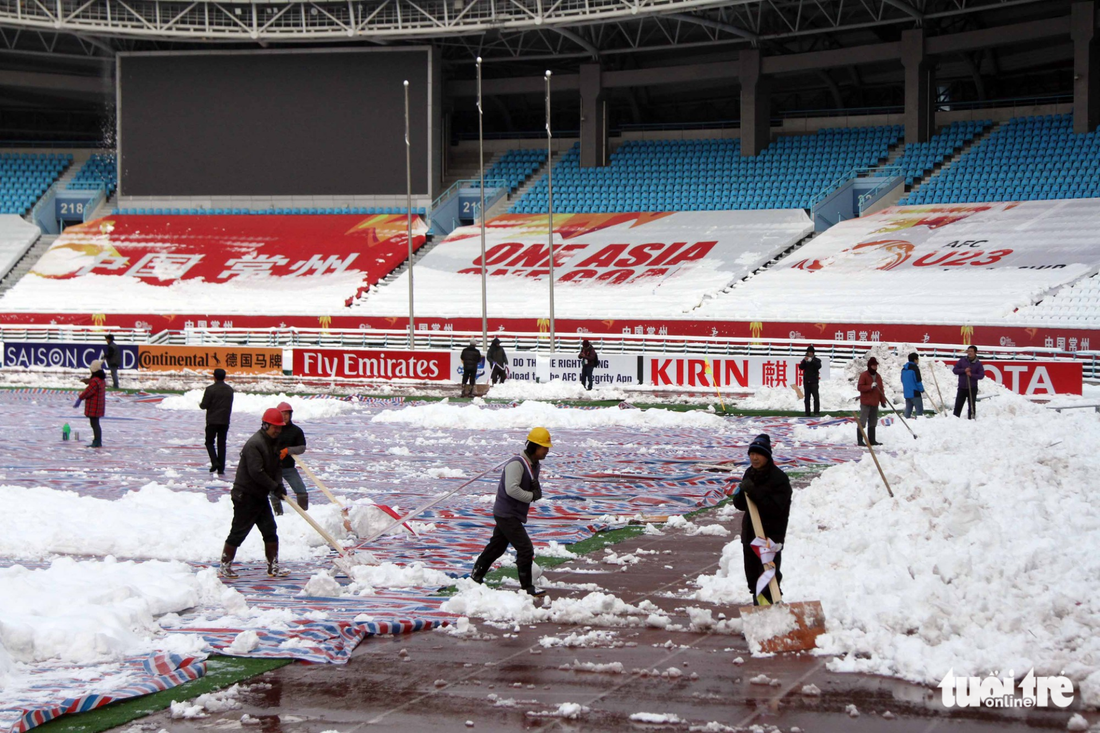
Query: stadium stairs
x=430, y=243
x=27, y=262
x=947, y=162
x=501, y=207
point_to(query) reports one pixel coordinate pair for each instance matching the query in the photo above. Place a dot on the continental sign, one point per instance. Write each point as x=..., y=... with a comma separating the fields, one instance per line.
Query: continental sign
x=233, y=359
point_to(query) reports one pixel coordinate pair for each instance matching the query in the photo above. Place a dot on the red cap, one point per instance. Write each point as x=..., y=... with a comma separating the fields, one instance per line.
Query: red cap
x=273, y=416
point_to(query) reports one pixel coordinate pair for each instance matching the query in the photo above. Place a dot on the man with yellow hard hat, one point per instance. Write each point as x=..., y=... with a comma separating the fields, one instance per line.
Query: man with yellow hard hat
x=518, y=488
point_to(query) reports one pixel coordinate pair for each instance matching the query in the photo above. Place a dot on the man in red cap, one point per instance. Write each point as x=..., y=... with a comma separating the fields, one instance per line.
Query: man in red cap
x=291, y=442
x=258, y=475
x=871, y=397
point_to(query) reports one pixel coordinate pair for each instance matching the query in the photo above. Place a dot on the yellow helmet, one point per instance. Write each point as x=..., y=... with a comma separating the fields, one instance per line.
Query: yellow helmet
x=540, y=436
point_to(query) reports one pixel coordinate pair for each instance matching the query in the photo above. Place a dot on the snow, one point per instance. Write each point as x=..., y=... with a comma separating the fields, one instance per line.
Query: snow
x=768, y=623
x=744, y=241
x=983, y=561
x=593, y=609
x=442, y=415
x=16, y=237
x=656, y=718
x=870, y=269
x=90, y=612
x=39, y=522
x=254, y=404
x=552, y=390
x=839, y=391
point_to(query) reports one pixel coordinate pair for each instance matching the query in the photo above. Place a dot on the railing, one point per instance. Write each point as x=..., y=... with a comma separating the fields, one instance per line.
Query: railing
x=891, y=176
x=60, y=332
x=466, y=183
x=840, y=352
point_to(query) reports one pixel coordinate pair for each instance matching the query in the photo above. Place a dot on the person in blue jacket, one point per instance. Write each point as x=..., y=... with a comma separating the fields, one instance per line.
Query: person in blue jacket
x=912, y=386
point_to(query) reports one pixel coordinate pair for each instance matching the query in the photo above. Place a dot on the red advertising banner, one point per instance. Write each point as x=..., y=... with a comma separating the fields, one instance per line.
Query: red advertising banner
x=1035, y=378
x=1065, y=338
x=728, y=371
x=382, y=365
x=242, y=264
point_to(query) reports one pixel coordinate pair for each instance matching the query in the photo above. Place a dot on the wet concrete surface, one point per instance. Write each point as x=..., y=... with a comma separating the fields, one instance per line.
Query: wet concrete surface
x=498, y=678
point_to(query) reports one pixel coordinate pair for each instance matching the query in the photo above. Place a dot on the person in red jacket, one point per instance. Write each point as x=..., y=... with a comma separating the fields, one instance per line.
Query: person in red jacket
x=94, y=398
x=871, y=397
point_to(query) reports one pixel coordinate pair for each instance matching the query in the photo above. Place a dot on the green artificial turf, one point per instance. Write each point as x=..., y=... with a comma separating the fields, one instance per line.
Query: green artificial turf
x=221, y=672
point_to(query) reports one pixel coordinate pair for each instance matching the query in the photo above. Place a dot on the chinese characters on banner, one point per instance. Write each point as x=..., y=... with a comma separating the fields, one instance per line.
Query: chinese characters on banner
x=233, y=359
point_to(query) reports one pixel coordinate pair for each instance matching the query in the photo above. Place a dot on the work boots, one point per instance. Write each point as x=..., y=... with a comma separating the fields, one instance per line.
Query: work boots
x=527, y=584
x=303, y=501
x=271, y=551
x=226, y=570
x=478, y=574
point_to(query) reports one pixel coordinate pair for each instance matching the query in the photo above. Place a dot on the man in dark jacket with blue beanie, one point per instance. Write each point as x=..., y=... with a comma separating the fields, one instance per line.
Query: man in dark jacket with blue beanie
x=770, y=490
x=518, y=488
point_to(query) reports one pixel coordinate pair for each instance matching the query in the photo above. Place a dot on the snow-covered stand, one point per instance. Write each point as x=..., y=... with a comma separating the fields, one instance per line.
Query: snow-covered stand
x=605, y=265
x=953, y=263
x=220, y=264
x=16, y=237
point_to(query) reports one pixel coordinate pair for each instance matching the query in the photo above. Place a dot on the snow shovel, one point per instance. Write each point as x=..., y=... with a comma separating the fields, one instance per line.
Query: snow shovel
x=431, y=503
x=780, y=627
x=346, y=560
x=344, y=511
x=324, y=490
x=890, y=402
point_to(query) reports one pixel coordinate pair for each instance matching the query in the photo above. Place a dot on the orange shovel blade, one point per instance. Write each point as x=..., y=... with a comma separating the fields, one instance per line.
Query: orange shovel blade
x=784, y=627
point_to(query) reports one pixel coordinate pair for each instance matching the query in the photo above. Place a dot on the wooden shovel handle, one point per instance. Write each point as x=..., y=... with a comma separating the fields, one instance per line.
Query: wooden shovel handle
x=758, y=528
x=319, y=484
x=320, y=530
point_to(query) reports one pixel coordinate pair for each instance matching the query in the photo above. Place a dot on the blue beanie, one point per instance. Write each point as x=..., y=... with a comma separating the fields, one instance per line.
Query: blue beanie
x=761, y=444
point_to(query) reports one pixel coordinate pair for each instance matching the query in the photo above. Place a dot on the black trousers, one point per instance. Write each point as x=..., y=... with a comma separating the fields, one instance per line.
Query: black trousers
x=586, y=375
x=216, y=450
x=754, y=569
x=499, y=375
x=250, y=510
x=97, y=432
x=469, y=376
x=509, y=531
x=114, y=376
x=962, y=397
x=811, y=389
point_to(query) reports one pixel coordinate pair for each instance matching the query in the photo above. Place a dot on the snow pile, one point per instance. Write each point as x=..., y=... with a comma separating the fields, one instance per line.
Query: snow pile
x=255, y=404
x=985, y=560
x=839, y=392
x=96, y=612
x=657, y=718
x=596, y=637
x=567, y=710
x=474, y=417
x=552, y=390
x=210, y=702
x=594, y=609
x=38, y=522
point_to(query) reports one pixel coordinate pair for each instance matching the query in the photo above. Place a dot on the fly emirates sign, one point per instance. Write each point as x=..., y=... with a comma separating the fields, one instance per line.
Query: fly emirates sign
x=382, y=365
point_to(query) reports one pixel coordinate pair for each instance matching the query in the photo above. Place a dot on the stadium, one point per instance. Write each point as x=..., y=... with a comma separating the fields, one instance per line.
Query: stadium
x=334, y=204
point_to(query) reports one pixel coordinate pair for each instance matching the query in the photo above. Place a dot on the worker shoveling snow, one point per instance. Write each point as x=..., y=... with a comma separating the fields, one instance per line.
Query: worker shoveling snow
x=985, y=560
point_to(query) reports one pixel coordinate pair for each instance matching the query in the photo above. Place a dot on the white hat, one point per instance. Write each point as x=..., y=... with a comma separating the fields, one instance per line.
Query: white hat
x=95, y=366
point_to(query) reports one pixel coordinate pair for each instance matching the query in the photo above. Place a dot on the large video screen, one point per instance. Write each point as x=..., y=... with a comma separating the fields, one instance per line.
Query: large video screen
x=273, y=123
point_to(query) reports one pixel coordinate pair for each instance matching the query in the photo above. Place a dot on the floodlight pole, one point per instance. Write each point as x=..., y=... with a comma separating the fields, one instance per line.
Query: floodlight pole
x=481, y=164
x=550, y=207
x=409, y=216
